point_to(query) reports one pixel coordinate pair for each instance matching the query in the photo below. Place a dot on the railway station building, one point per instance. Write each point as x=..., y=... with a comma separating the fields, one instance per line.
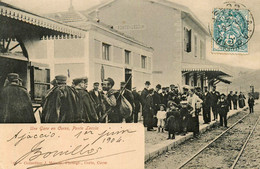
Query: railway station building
x=21, y=34
x=38, y=48
x=177, y=36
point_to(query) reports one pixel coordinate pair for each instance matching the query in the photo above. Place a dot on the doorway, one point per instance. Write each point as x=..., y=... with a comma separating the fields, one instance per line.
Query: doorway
x=128, y=78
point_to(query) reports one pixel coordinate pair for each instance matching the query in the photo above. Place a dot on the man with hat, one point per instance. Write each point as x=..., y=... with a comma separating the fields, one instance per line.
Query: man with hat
x=129, y=97
x=198, y=92
x=15, y=103
x=206, y=106
x=235, y=100
x=137, y=103
x=144, y=94
x=149, y=110
x=111, y=101
x=214, y=96
x=61, y=104
x=87, y=105
x=97, y=97
x=172, y=92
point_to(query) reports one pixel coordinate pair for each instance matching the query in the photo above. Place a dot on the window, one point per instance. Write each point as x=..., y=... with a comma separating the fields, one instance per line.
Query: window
x=187, y=40
x=143, y=61
x=127, y=57
x=105, y=51
x=40, y=83
x=196, y=46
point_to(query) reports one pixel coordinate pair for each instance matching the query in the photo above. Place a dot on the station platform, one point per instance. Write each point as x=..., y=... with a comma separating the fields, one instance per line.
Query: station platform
x=161, y=145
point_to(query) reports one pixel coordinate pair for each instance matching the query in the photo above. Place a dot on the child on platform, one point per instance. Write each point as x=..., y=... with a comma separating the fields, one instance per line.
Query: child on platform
x=161, y=116
x=184, y=113
x=172, y=123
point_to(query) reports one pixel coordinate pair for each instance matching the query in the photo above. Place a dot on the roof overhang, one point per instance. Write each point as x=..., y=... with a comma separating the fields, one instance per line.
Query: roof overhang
x=18, y=22
x=212, y=70
x=220, y=79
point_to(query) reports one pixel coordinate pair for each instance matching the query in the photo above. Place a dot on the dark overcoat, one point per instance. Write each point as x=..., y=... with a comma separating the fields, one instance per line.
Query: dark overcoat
x=15, y=105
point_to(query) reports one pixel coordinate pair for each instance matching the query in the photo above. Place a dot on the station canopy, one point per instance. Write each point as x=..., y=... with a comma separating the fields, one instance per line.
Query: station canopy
x=211, y=71
x=16, y=23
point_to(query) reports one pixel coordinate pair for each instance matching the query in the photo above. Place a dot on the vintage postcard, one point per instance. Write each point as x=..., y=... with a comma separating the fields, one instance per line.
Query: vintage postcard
x=71, y=146
x=129, y=84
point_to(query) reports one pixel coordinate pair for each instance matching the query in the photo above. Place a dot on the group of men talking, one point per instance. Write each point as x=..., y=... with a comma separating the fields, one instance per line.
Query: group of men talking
x=68, y=104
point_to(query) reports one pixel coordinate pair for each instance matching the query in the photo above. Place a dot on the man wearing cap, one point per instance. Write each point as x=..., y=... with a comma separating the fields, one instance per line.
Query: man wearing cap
x=206, y=106
x=96, y=95
x=111, y=101
x=15, y=103
x=157, y=102
x=61, y=104
x=137, y=103
x=223, y=110
x=214, y=96
x=164, y=96
x=130, y=97
x=88, y=111
x=144, y=94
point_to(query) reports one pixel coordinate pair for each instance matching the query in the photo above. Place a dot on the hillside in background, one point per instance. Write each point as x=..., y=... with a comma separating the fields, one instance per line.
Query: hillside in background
x=242, y=79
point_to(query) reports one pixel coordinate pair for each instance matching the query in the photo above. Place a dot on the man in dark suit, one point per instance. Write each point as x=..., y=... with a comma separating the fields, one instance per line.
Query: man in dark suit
x=164, y=96
x=156, y=102
x=251, y=103
x=206, y=106
x=229, y=100
x=144, y=94
x=214, y=96
x=137, y=102
x=87, y=104
x=235, y=100
x=96, y=95
x=149, y=110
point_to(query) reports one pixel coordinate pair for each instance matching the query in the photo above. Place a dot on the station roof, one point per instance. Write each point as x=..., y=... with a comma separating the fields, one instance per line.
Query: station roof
x=18, y=22
x=208, y=68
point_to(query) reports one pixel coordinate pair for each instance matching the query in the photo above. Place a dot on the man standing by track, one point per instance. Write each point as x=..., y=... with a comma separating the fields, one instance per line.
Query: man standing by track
x=214, y=102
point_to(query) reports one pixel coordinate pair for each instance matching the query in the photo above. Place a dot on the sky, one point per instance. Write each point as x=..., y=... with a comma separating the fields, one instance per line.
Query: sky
x=201, y=8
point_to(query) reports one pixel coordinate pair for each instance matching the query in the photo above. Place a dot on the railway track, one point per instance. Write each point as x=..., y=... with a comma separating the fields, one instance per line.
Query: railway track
x=219, y=136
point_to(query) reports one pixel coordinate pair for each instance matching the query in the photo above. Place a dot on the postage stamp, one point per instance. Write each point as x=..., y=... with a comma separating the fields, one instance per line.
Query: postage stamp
x=233, y=26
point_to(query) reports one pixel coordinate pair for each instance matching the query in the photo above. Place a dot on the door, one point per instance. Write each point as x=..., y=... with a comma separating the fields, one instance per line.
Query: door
x=128, y=78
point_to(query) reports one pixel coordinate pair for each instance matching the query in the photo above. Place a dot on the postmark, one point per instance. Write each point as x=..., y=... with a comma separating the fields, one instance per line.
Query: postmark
x=232, y=27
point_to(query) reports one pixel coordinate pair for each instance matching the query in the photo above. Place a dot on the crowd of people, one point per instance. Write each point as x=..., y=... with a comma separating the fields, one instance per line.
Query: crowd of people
x=173, y=109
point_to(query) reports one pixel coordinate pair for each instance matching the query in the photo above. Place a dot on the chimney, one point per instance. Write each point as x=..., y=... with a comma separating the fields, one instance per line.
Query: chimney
x=71, y=8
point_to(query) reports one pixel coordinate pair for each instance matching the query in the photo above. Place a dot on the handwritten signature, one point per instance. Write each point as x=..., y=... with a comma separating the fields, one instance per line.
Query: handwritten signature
x=75, y=153
x=78, y=152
